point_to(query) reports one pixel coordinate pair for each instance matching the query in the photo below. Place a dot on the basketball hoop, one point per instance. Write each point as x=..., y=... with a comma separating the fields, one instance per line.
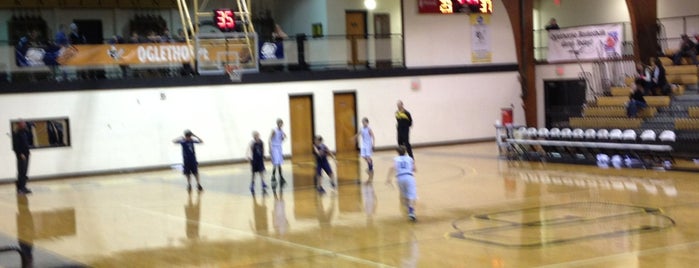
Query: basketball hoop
x=234, y=72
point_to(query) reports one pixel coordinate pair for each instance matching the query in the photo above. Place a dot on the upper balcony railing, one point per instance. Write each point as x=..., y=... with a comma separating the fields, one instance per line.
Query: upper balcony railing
x=298, y=53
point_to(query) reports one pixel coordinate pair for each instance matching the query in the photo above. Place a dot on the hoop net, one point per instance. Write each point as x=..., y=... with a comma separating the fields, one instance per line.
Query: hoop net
x=234, y=72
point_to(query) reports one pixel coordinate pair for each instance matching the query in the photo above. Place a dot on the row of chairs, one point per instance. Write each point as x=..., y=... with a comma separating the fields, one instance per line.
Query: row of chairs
x=595, y=135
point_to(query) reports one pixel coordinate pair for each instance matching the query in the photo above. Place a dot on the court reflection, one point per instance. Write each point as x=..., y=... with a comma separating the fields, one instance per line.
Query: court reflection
x=279, y=219
x=260, y=224
x=369, y=201
x=325, y=210
x=36, y=226
x=192, y=212
x=25, y=230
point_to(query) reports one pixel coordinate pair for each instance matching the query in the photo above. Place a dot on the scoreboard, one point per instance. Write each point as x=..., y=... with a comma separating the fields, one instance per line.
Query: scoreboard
x=455, y=6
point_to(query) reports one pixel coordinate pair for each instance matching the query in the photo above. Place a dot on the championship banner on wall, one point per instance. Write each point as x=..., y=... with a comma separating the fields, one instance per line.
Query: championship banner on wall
x=593, y=42
x=480, y=39
x=129, y=54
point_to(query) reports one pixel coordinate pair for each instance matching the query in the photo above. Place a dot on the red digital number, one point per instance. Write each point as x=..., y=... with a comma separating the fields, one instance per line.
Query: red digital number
x=225, y=19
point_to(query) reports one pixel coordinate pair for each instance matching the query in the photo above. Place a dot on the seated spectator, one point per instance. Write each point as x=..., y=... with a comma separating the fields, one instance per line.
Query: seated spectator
x=152, y=37
x=658, y=79
x=553, y=25
x=687, y=49
x=166, y=37
x=134, y=39
x=643, y=75
x=180, y=36
x=636, y=100
x=61, y=39
x=76, y=38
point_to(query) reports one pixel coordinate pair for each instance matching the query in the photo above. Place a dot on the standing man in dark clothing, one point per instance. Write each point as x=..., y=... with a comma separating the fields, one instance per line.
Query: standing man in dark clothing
x=404, y=122
x=21, y=142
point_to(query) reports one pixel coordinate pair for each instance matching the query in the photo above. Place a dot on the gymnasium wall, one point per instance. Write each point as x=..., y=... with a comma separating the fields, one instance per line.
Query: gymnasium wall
x=445, y=40
x=132, y=128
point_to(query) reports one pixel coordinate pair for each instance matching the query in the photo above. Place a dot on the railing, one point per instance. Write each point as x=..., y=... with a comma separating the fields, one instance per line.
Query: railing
x=672, y=27
x=306, y=53
x=669, y=37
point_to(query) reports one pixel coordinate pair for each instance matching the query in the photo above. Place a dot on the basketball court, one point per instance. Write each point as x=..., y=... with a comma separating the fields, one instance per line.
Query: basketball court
x=474, y=210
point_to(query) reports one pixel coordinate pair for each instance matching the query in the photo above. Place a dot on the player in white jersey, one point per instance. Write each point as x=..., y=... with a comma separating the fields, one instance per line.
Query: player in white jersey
x=366, y=147
x=404, y=168
x=275, y=151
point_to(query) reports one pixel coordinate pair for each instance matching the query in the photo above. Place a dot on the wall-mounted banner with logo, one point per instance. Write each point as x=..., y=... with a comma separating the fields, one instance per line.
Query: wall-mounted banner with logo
x=271, y=50
x=480, y=39
x=127, y=54
x=592, y=42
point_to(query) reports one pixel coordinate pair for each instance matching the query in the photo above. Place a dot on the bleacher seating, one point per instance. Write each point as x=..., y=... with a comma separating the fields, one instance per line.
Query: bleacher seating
x=687, y=123
x=693, y=111
x=616, y=111
x=611, y=122
x=652, y=101
x=677, y=89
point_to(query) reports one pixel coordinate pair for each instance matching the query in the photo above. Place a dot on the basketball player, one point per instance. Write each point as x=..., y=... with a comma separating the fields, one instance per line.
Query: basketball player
x=404, y=168
x=256, y=157
x=322, y=152
x=191, y=167
x=275, y=150
x=366, y=147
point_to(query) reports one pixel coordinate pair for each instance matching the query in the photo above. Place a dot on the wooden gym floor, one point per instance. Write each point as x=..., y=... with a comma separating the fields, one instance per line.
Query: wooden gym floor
x=474, y=210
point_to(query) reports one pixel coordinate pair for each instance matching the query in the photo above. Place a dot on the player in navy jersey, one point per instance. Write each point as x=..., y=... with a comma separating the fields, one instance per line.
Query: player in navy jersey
x=404, y=168
x=191, y=167
x=275, y=150
x=256, y=157
x=322, y=152
x=366, y=147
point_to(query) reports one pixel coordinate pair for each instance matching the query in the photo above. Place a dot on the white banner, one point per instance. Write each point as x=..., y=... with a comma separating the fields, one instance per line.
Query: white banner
x=480, y=39
x=593, y=42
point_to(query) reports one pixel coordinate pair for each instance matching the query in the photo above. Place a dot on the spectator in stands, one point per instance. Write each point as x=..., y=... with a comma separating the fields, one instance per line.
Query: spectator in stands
x=61, y=39
x=696, y=37
x=180, y=36
x=135, y=39
x=687, y=49
x=166, y=37
x=553, y=25
x=643, y=75
x=658, y=79
x=636, y=100
x=76, y=38
x=152, y=37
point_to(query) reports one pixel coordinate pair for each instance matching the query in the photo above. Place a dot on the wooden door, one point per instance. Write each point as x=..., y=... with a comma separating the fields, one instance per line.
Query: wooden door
x=345, y=122
x=301, y=116
x=345, y=113
x=355, y=28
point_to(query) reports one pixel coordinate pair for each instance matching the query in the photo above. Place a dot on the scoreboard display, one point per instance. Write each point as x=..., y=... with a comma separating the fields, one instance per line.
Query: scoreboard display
x=224, y=19
x=455, y=6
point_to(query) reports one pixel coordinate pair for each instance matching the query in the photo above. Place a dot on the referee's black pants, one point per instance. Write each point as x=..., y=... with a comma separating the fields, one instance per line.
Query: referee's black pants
x=404, y=140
